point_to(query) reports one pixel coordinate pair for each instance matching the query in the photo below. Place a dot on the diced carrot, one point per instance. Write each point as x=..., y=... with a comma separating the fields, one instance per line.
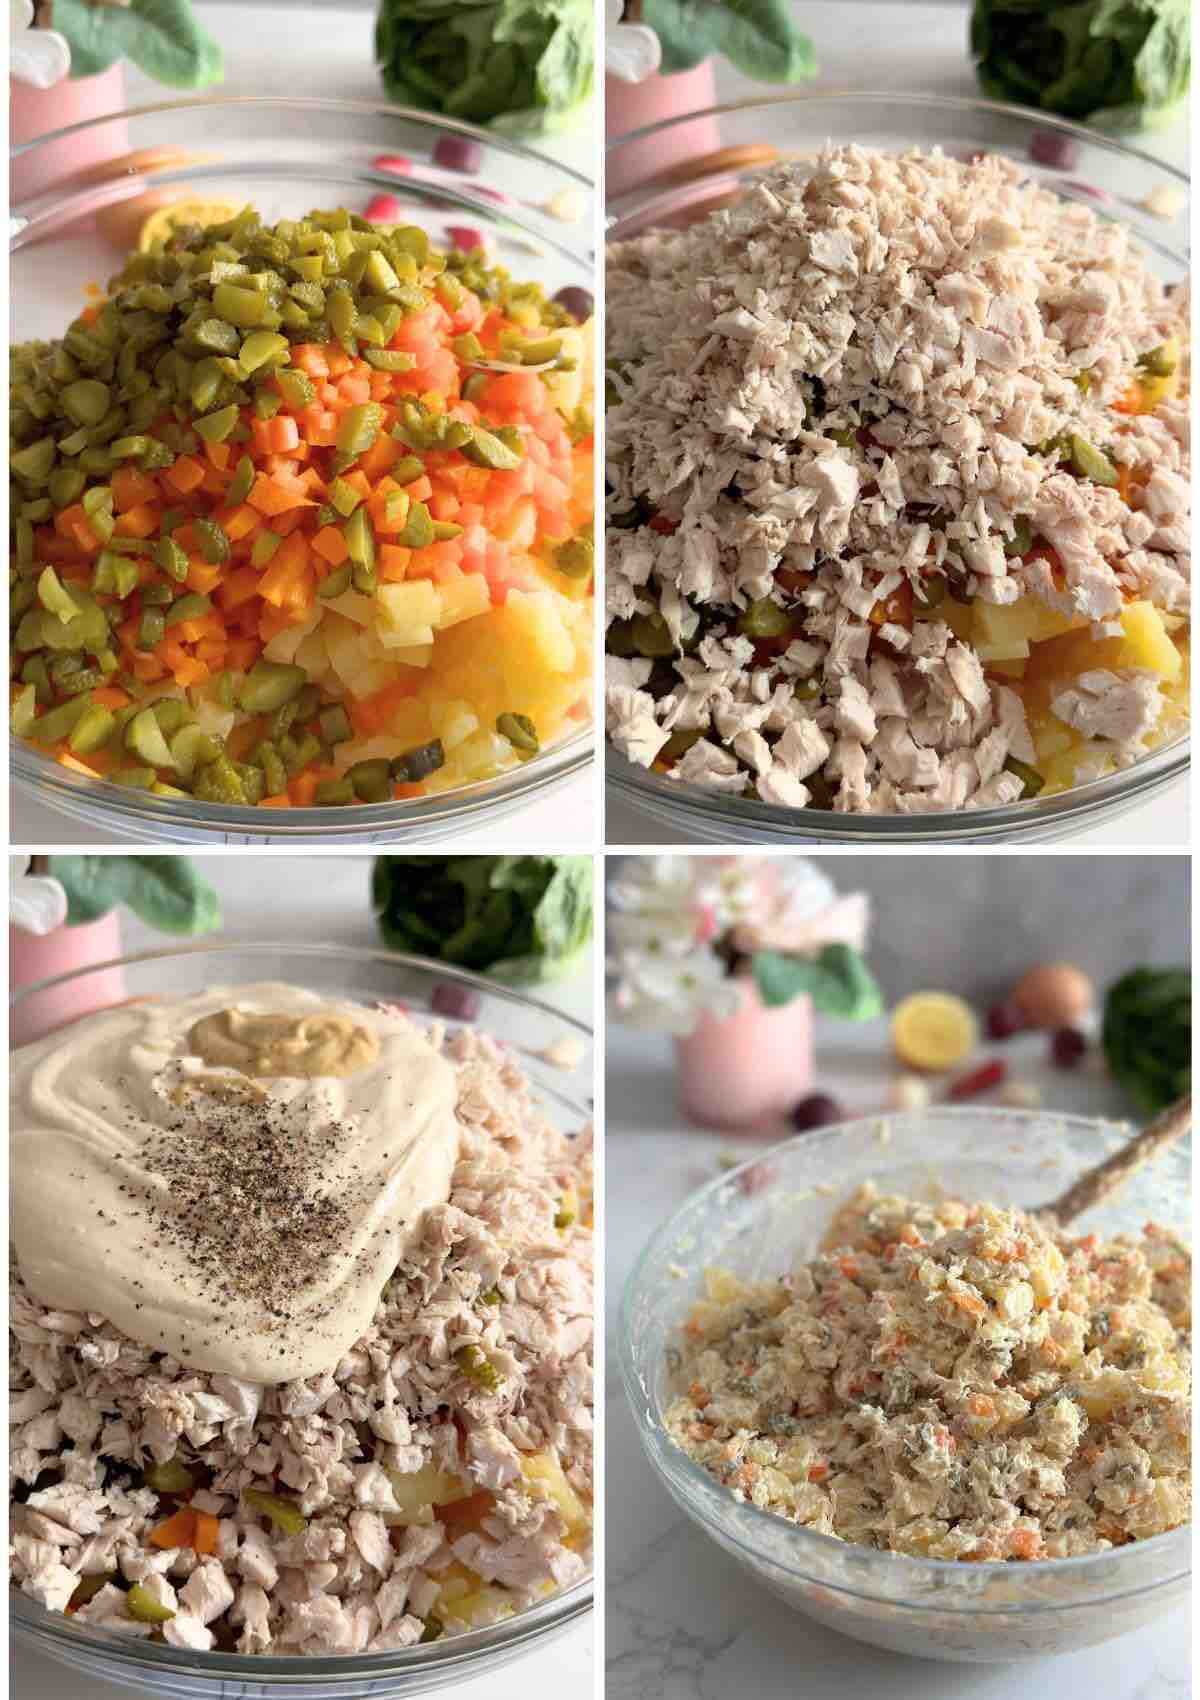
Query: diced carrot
x=218, y=454
x=207, y=1533
x=185, y=475
x=302, y=789
x=238, y=588
x=331, y=545
x=111, y=696
x=1132, y=401
x=203, y=576
x=241, y=523
x=179, y=1530
x=282, y=802
x=132, y=489
x=392, y=561
x=242, y=653
x=310, y=357
x=277, y=496
x=275, y=436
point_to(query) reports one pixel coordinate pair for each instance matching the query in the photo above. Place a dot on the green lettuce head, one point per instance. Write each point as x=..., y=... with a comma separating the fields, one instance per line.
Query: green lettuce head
x=518, y=918
x=1122, y=65
x=523, y=67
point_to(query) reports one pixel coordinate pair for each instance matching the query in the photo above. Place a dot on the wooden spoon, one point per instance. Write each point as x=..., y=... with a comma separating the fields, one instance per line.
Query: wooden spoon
x=1107, y=1177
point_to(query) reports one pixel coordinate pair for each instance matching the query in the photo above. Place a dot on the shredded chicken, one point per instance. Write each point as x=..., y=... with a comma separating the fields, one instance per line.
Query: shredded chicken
x=435, y=1499
x=844, y=423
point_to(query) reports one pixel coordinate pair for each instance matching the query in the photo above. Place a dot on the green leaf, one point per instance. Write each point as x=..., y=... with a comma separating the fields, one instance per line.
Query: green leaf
x=161, y=37
x=521, y=66
x=164, y=891
x=758, y=37
x=838, y=981
x=1118, y=64
x=1147, y=1035
x=519, y=918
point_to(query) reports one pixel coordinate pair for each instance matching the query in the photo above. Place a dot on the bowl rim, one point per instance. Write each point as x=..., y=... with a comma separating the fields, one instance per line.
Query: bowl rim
x=1157, y=767
x=59, y=788
x=740, y=1520
x=305, y=103
x=914, y=98
x=32, y=1621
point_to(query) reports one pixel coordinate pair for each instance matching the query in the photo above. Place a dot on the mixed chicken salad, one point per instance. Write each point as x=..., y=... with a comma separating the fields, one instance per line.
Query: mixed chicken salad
x=432, y=1478
x=950, y=1381
x=897, y=456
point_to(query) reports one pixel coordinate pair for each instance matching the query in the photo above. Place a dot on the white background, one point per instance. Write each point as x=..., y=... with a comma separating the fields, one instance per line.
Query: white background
x=327, y=49
x=326, y=899
x=683, y=1621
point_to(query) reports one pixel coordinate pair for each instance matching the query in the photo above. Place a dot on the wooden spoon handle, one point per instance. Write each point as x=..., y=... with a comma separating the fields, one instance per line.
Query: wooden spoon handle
x=1106, y=1177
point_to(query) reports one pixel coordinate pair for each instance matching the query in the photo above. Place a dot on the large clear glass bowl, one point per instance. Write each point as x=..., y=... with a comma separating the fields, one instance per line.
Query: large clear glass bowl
x=286, y=156
x=691, y=180
x=928, y=1608
x=368, y=976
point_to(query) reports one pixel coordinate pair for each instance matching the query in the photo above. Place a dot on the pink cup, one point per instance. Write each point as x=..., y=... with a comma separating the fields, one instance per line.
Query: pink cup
x=745, y=1072
x=38, y=112
x=631, y=106
x=32, y=957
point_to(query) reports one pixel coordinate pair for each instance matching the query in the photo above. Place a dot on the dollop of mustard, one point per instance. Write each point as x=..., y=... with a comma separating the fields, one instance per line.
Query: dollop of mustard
x=263, y=1045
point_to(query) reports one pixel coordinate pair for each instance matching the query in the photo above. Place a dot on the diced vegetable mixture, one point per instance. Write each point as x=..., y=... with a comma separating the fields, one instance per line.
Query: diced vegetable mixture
x=302, y=514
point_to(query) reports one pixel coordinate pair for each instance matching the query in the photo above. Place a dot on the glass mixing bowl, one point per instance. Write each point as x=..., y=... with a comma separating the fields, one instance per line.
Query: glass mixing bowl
x=698, y=161
x=367, y=975
x=758, y=1227
x=287, y=156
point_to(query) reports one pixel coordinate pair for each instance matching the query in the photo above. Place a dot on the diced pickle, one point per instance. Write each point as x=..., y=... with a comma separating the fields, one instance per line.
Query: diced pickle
x=418, y=763
x=24, y=711
x=142, y=1606
x=173, y=1476
x=335, y=725
x=143, y=736
x=475, y=1364
x=337, y=582
x=268, y=684
x=1031, y=780
x=275, y=775
x=520, y=732
x=59, y=722
x=484, y=448
x=651, y=635
x=1090, y=462
x=54, y=596
x=1020, y=542
x=171, y=714
x=764, y=618
x=92, y=730
x=577, y=558
x=219, y=782
x=372, y=780
x=191, y=748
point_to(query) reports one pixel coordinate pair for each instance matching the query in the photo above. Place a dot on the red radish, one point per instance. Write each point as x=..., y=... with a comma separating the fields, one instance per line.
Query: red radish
x=384, y=209
x=395, y=163
x=466, y=236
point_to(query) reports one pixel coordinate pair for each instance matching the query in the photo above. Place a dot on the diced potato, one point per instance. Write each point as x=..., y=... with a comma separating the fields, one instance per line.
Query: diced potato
x=407, y=612
x=1028, y=620
x=285, y=644
x=1008, y=669
x=351, y=606
x=1010, y=649
x=413, y=654
x=566, y=388
x=533, y=633
x=544, y=1468
x=722, y=1285
x=953, y=614
x=463, y=599
x=1147, y=642
x=453, y=722
x=417, y=1493
x=486, y=1605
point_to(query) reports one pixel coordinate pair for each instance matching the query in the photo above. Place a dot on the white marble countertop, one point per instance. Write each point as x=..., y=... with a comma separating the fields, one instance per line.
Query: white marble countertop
x=683, y=1620
x=324, y=48
x=322, y=900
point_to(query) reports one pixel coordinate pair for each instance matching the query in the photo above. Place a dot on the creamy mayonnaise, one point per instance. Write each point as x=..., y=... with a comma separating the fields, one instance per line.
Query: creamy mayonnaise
x=244, y=1222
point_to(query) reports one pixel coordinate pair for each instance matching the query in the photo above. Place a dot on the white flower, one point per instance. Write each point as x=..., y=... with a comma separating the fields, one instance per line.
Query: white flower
x=40, y=58
x=806, y=915
x=632, y=52
x=671, y=993
x=36, y=903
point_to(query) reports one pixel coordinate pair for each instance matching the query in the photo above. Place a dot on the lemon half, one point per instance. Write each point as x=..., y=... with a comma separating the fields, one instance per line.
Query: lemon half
x=933, y=1030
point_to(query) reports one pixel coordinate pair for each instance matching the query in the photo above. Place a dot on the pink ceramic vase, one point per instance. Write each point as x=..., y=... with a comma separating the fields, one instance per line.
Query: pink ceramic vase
x=34, y=957
x=38, y=112
x=744, y=1072
x=631, y=106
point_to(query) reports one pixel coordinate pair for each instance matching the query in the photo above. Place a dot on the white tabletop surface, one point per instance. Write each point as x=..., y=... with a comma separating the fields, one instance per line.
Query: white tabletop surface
x=920, y=45
x=683, y=1621
x=326, y=49
x=325, y=900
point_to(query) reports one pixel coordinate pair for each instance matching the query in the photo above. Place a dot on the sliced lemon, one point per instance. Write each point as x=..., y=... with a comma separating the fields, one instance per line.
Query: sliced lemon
x=162, y=224
x=933, y=1030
